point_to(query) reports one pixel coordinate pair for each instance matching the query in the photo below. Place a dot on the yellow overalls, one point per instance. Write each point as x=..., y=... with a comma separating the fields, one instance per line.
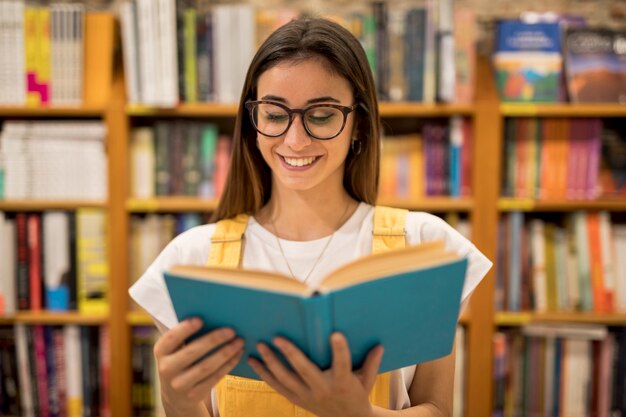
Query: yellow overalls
x=243, y=397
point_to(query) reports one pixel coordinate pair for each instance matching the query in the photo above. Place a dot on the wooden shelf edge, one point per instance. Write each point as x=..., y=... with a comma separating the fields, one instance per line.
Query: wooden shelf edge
x=528, y=204
x=55, y=317
x=186, y=204
x=170, y=204
x=56, y=111
x=522, y=318
x=431, y=203
x=387, y=109
x=26, y=205
x=563, y=109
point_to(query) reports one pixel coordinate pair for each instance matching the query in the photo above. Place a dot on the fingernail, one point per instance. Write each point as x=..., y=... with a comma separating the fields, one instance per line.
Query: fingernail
x=194, y=321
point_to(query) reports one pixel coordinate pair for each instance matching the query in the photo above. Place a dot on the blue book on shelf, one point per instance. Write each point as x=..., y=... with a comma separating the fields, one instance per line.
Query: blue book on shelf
x=528, y=61
x=406, y=300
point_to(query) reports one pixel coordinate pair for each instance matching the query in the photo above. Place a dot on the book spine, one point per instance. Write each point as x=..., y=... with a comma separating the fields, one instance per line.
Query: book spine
x=316, y=319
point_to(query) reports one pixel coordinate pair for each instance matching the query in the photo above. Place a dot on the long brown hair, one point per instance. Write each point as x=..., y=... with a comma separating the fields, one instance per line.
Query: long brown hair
x=248, y=186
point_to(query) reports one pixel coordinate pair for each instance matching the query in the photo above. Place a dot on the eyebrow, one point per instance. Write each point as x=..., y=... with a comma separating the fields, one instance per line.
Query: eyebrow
x=324, y=99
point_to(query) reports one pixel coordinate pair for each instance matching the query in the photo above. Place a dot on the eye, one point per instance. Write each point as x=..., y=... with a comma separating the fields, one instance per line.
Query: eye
x=321, y=115
x=276, y=116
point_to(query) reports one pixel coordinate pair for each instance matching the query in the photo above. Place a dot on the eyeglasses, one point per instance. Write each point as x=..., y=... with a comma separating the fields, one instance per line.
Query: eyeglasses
x=321, y=121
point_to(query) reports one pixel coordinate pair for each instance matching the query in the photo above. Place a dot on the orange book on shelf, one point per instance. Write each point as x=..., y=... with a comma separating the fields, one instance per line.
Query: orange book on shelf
x=548, y=161
x=98, y=58
x=595, y=263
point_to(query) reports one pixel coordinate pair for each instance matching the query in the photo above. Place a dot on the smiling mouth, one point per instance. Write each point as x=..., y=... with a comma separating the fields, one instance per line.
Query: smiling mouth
x=300, y=162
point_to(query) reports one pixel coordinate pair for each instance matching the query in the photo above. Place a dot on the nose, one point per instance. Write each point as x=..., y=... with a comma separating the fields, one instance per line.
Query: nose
x=296, y=137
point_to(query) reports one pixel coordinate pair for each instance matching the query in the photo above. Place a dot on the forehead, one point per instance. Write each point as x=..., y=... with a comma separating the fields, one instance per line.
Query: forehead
x=302, y=80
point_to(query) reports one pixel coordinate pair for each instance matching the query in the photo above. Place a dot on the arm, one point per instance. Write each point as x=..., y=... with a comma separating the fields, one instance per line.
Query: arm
x=431, y=391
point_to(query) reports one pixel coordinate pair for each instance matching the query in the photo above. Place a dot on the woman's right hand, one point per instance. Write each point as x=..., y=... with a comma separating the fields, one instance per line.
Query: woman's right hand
x=184, y=379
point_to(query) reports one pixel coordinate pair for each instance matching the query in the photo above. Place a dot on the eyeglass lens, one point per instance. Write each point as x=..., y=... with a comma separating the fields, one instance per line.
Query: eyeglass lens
x=321, y=122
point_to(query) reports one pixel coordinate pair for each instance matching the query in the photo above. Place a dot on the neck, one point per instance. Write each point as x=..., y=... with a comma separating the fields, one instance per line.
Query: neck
x=302, y=216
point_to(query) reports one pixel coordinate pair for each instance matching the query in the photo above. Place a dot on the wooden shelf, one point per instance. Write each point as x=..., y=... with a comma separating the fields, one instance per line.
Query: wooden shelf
x=170, y=204
x=408, y=109
x=523, y=204
x=187, y=204
x=62, y=111
x=435, y=204
x=184, y=110
x=39, y=205
x=400, y=109
x=522, y=318
x=563, y=110
x=50, y=317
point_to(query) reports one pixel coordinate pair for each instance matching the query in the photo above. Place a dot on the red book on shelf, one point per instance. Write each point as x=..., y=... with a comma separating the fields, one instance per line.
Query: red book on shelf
x=596, y=268
x=34, y=261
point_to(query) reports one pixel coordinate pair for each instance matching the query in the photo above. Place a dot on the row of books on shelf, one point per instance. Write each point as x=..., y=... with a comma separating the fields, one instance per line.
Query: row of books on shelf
x=561, y=263
x=53, y=160
x=555, y=158
x=435, y=162
x=42, y=59
x=178, y=158
x=186, y=52
x=560, y=371
x=149, y=234
x=54, y=371
x=556, y=58
x=54, y=260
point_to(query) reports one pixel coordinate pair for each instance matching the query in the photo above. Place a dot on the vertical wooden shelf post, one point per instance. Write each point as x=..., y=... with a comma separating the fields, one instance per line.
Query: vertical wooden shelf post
x=117, y=142
x=487, y=153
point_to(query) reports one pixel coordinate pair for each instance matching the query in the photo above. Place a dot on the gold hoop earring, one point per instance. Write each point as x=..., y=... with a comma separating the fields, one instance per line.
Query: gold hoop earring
x=356, y=149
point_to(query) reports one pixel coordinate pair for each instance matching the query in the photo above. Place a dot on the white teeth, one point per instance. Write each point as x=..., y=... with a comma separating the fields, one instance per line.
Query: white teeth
x=299, y=162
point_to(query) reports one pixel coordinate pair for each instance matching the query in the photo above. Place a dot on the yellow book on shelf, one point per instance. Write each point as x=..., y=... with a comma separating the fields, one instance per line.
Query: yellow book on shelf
x=92, y=261
x=31, y=53
x=98, y=58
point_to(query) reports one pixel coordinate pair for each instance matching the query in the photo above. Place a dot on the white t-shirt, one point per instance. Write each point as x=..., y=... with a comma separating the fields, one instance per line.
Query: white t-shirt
x=261, y=251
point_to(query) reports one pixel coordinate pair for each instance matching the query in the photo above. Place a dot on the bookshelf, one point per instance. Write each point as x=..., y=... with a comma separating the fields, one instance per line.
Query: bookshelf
x=483, y=210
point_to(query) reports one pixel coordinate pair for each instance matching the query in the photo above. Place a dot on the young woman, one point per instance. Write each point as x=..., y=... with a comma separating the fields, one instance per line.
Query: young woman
x=300, y=193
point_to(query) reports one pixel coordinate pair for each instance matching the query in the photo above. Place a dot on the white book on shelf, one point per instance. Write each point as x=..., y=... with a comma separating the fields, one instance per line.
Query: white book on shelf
x=446, y=74
x=56, y=259
x=14, y=73
x=147, y=51
x=22, y=351
x=245, y=22
x=142, y=162
x=224, y=45
x=8, y=255
x=538, y=264
x=73, y=371
x=5, y=63
x=56, y=55
x=128, y=21
x=15, y=160
x=566, y=330
x=168, y=53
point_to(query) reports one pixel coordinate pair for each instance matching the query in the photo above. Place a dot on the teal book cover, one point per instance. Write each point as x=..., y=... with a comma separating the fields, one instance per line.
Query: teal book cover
x=413, y=313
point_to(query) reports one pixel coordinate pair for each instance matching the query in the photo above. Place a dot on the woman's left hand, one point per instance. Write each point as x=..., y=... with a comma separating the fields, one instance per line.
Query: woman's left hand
x=337, y=391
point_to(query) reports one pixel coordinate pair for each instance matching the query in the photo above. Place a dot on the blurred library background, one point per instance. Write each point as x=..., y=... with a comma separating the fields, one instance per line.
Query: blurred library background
x=506, y=118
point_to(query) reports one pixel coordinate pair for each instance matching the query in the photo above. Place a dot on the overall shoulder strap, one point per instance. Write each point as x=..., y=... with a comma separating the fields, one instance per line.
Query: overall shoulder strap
x=389, y=229
x=227, y=242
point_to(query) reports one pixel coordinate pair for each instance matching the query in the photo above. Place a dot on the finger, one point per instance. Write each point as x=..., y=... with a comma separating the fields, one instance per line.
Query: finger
x=307, y=370
x=369, y=370
x=200, y=346
x=267, y=376
x=342, y=359
x=279, y=371
x=174, y=338
x=208, y=366
x=200, y=390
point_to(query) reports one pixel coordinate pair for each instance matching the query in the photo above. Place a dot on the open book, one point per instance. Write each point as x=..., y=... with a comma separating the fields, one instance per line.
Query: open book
x=408, y=300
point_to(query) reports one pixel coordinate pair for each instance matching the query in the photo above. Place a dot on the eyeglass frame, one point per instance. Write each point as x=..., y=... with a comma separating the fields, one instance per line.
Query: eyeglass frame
x=345, y=110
